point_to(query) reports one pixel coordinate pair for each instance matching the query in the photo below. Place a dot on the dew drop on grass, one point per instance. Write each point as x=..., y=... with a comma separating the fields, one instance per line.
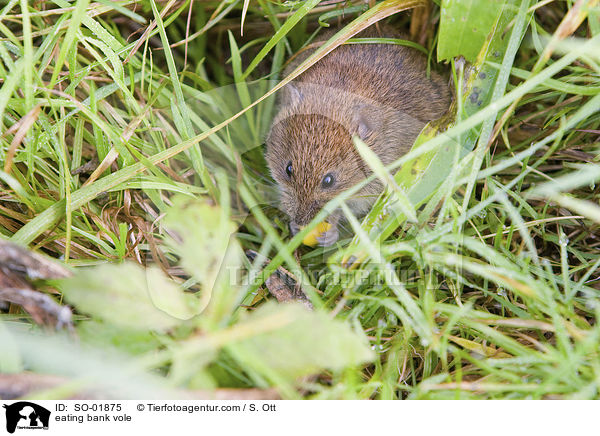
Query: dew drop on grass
x=392, y=319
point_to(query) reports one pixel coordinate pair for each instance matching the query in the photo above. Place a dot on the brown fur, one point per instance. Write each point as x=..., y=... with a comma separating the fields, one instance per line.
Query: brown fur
x=378, y=92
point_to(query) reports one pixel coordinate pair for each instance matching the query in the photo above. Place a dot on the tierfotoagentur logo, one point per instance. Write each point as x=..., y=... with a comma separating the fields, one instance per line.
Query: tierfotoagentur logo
x=26, y=415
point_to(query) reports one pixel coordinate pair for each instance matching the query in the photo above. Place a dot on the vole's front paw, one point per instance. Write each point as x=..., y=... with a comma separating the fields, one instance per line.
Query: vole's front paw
x=329, y=237
x=294, y=228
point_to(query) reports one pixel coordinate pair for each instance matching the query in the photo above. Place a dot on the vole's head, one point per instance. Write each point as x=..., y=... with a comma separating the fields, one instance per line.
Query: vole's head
x=313, y=159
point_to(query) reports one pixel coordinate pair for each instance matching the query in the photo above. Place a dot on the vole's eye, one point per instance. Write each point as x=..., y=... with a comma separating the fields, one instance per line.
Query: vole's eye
x=288, y=169
x=328, y=180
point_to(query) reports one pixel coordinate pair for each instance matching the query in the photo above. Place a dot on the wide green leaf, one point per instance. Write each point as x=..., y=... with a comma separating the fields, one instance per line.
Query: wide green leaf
x=465, y=25
x=301, y=342
x=130, y=296
x=201, y=234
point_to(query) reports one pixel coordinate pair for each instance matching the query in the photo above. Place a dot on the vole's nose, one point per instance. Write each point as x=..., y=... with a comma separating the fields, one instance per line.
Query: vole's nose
x=305, y=213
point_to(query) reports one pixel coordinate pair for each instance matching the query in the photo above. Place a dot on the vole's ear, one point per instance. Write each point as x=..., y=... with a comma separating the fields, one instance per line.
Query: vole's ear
x=367, y=119
x=292, y=94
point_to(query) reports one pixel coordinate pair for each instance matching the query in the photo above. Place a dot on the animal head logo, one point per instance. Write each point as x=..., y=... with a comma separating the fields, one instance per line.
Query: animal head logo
x=24, y=414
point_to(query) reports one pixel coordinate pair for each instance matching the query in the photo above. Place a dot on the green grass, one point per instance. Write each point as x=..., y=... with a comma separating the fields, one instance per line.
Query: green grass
x=489, y=291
